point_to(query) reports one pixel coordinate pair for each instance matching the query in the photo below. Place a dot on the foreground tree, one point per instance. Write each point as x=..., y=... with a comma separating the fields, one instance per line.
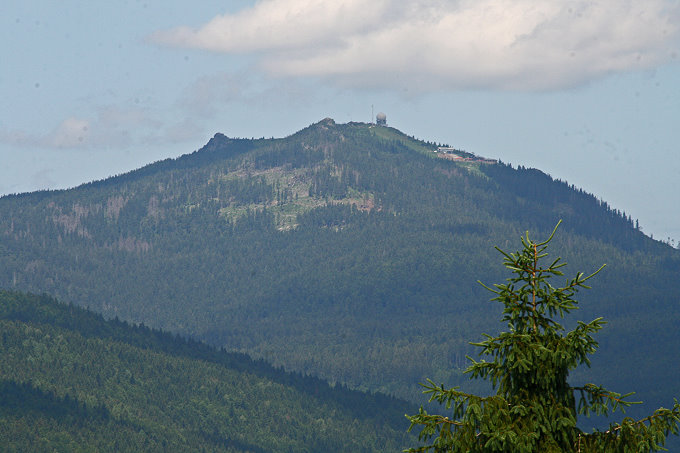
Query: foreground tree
x=534, y=408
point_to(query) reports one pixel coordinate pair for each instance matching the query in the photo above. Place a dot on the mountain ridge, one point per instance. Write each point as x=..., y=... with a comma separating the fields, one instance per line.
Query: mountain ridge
x=71, y=380
x=326, y=251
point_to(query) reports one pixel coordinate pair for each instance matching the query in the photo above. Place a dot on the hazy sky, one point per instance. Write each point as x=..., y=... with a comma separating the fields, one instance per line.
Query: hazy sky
x=587, y=91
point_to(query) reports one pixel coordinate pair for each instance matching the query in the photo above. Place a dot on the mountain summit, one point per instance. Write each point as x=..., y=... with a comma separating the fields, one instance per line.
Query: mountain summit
x=348, y=251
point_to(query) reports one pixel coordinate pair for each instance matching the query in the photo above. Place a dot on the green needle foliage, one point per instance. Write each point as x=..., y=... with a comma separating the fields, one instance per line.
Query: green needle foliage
x=534, y=408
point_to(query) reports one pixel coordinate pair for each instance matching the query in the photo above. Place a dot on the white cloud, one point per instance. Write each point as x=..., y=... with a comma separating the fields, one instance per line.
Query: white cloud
x=281, y=25
x=456, y=44
x=109, y=127
x=71, y=133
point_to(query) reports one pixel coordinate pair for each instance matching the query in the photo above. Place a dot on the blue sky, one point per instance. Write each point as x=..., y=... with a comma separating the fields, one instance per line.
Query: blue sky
x=587, y=91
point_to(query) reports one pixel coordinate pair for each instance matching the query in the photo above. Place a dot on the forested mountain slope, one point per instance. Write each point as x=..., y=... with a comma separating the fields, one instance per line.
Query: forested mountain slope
x=70, y=381
x=345, y=250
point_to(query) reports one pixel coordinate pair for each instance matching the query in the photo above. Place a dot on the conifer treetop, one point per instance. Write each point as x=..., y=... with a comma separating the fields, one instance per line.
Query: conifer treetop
x=534, y=408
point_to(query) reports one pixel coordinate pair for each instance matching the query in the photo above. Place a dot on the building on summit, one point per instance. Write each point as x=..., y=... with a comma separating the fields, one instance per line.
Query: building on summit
x=381, y=119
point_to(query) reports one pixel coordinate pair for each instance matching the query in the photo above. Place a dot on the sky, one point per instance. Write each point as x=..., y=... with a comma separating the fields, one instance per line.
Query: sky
x=586, y=91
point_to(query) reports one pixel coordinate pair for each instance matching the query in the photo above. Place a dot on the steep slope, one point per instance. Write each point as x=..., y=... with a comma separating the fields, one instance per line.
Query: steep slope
x=345, y=250
x=70, y=381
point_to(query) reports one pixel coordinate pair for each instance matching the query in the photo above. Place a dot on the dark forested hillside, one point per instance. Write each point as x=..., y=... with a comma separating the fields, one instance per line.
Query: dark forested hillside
x=70, y=381
x=347, y=251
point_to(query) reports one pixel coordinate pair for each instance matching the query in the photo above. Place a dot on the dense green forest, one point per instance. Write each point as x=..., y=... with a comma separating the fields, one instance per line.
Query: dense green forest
x=346, y=251
x=71, y=381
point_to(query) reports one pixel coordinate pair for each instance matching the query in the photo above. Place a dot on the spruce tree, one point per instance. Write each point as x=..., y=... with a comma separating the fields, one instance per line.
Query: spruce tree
x=534, y=408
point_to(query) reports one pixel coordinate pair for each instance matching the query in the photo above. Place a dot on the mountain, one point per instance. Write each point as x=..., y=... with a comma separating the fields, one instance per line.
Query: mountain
x=71, y=381
x=346, y=251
